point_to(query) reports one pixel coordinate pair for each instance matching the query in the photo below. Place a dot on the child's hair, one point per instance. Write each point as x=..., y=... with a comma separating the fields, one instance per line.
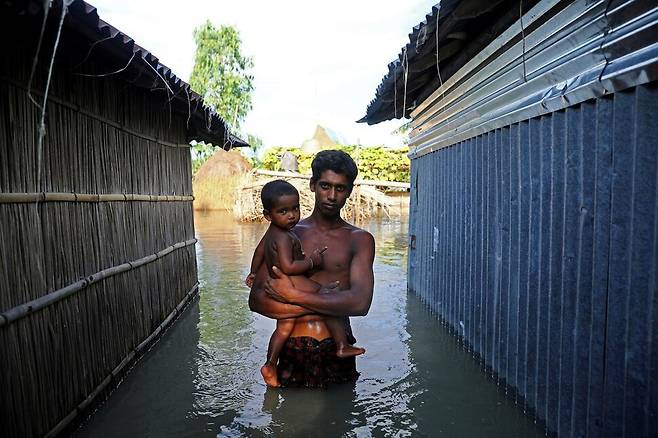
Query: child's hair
x=337, y=161
x=274, y=190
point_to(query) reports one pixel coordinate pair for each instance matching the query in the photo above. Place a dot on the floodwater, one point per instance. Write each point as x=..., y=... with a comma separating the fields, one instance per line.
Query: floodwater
x=202, y=378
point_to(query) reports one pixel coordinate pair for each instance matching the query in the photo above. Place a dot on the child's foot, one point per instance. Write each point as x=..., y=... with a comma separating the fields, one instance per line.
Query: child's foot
x=349, y=351
x=269, y=375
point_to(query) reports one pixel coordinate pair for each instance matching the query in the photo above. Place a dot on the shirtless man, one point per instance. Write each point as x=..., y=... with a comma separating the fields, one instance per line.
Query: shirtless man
x=346, y=273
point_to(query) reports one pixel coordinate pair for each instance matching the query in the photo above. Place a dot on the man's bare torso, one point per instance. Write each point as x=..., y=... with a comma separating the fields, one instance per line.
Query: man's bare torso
x=336, y=264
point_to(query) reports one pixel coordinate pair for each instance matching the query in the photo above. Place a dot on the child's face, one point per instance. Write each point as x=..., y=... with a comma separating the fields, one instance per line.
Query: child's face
x=285, y=212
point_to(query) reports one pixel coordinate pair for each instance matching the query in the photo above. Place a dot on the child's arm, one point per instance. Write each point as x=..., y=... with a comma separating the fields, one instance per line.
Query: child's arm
x=257, y=260
x=285, y=258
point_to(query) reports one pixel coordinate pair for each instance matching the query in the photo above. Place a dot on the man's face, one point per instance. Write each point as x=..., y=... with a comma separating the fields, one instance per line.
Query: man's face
x=331, y=192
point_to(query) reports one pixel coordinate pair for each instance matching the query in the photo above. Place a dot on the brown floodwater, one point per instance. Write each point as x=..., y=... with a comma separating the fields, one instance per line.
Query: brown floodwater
x=202, y=378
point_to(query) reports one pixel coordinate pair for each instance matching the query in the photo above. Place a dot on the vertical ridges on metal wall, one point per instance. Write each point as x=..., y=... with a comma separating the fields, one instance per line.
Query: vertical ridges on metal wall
x=537, y=244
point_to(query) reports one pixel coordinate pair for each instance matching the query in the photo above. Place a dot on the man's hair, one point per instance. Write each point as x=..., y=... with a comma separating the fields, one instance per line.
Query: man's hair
x=336, y=161
x=273, y=190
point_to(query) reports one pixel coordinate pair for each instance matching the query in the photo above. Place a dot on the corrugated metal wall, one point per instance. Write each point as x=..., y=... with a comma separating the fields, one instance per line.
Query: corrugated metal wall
x=537, y=243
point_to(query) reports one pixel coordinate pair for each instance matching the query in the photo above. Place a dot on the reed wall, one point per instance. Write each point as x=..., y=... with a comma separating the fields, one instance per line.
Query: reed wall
x=103, y=135
x=537, y=244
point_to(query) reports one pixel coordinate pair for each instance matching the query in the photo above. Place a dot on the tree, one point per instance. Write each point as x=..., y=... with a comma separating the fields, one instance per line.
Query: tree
x=221, y=76
x=403, y=132
x=255, y=148
x=221, y=73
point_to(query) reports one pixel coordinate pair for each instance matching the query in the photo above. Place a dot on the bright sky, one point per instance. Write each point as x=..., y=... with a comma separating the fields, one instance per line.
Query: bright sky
x=315, y=62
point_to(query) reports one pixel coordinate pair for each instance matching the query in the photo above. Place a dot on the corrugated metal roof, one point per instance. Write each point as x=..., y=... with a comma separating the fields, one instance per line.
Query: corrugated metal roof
x=464, y=27
x=568, y=53
x=207, y=125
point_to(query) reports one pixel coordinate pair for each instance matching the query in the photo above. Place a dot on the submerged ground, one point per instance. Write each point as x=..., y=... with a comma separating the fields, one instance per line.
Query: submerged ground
x=202, y=378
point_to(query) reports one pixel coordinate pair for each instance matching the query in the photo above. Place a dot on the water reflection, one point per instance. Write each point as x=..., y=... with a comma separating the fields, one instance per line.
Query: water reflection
x=202, y=378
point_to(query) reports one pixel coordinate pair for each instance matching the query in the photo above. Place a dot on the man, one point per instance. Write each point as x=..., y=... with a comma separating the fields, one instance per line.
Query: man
x=308, y=359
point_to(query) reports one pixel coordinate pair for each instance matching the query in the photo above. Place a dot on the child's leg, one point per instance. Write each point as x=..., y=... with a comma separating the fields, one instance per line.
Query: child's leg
x=343, y=348
x=283, y=329
x=304, y=283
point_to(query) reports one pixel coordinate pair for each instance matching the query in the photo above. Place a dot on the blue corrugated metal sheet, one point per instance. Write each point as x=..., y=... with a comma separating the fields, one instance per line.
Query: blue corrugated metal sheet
x=559, y=54
x=538, y=244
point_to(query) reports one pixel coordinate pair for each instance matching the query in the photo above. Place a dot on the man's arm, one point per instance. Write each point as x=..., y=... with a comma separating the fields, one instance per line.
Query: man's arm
x=259, y=302
x=354, y=301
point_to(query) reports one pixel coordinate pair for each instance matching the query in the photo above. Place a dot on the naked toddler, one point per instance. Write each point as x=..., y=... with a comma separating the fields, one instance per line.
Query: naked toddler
x=281, y=247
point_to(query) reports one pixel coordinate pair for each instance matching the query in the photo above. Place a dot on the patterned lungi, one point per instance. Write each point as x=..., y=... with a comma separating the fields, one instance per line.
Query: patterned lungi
x=307, y=362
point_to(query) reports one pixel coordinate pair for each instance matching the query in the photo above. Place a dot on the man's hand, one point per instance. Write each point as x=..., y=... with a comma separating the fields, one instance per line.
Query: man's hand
x=282, y=289
x=279, y=288
x=249, y=281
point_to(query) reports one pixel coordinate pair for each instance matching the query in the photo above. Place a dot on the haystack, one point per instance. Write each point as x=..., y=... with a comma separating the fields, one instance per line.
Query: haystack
x=217, y=181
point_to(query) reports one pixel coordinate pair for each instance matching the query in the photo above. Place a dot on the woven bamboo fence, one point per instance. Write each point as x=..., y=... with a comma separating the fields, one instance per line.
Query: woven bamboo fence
x=97, y=253
x=365, y=200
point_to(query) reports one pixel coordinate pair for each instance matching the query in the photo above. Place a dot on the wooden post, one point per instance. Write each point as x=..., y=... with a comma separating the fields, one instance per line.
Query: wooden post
x=356, y=195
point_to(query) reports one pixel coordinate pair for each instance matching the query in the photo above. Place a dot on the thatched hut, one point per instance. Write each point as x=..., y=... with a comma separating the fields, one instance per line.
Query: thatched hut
x=97, y=254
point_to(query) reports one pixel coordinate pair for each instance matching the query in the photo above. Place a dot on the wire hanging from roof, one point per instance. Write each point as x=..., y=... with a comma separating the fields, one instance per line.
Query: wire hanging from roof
x=438, y=68
x=91, y=48
x=395, y=90
x=405, y=68
x=102, y=75
x=525, y=77
x=170, y=92
x=42, y=122
x=35, y=60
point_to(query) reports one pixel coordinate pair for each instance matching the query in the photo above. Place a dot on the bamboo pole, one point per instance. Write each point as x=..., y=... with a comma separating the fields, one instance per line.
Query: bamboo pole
x=18, y=198
x=23, y=310
x=256, y=184
x=130, y=358
x=357, y=204
x=358, y=182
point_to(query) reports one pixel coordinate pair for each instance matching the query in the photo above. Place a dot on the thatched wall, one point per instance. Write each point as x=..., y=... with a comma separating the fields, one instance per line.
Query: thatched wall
x=100, y=138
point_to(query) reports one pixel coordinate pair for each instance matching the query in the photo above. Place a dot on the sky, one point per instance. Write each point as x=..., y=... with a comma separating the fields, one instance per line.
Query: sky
x=314, y=62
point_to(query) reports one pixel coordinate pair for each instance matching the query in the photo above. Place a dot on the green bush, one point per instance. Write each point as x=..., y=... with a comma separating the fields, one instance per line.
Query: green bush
x=377, y=163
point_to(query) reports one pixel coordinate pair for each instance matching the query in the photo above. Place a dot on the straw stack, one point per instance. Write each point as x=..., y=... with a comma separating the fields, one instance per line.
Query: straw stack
x=364, y=202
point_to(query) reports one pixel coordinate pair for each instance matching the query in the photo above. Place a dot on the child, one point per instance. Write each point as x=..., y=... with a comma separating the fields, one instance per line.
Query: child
x=280, y=247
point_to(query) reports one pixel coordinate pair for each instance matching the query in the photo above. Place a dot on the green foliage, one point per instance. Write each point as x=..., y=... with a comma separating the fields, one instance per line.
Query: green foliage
x=220, y=73
x=383, y=164
x=375, y=163
x=255, y=149
x=403, y=132
x=200, y=153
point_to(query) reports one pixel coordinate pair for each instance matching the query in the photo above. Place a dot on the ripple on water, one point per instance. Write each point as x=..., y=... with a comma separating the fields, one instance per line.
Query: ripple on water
x=203, y=379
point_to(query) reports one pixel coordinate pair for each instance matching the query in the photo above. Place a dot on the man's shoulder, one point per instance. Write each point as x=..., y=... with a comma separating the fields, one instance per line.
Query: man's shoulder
x=302, y=226
x=358, y=235
x=352, y=232
x=303, y=222
x=362, y=236
x=354, y=229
